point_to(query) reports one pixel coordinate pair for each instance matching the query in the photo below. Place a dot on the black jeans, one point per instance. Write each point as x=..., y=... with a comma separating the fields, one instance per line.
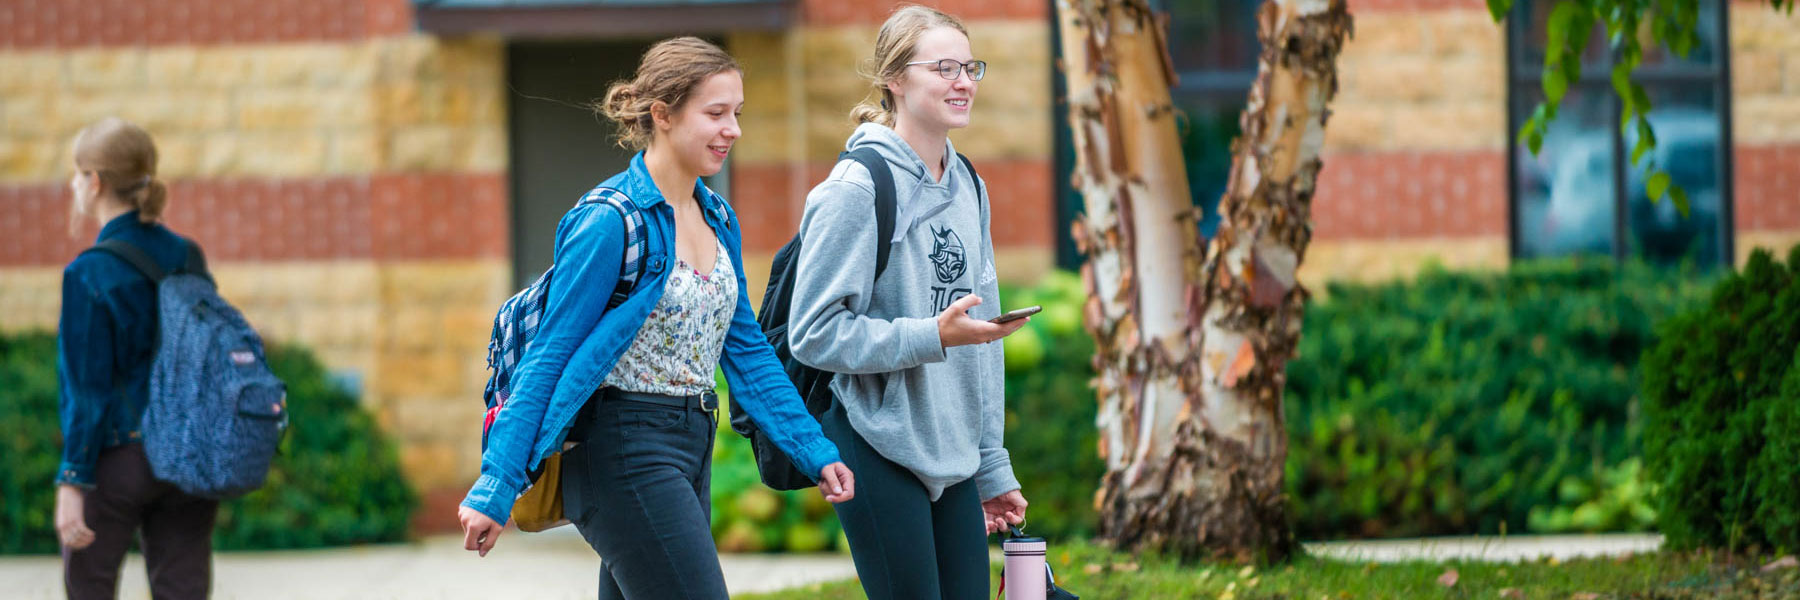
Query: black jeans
x=905, y=546
x=638, y=487
x=177, y=531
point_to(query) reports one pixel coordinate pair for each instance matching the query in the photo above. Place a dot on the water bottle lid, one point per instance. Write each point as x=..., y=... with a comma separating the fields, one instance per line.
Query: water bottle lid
x=1024, y=544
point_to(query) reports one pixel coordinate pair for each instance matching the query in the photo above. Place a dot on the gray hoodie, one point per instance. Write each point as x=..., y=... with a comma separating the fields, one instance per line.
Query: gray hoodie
x=938, y=412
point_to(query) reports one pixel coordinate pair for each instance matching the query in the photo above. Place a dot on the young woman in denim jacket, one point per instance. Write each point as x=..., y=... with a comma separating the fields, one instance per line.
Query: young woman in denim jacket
x=105, y=341
x=634, y=385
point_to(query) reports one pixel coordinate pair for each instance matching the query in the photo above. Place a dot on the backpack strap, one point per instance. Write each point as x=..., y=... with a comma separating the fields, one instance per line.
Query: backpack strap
x=631, y=268
x=979, y=192
x=132, y=255
x=885, y=205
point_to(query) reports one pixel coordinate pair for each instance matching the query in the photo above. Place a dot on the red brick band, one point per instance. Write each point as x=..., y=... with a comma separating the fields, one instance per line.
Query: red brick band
x=770, y=198
x=112, y=23
x=1766, y=188
x=873, y=12
x=1367, y=195
x=382, y=217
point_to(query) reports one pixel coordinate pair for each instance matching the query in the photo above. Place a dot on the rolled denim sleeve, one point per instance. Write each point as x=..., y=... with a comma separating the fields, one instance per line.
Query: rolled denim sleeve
x=84, y=361
x=589, y=247
x=761, y=386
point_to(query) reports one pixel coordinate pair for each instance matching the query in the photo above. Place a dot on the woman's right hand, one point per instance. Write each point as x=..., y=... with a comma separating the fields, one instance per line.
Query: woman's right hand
x=479, y=532
x=71, y=522
x=957, y=328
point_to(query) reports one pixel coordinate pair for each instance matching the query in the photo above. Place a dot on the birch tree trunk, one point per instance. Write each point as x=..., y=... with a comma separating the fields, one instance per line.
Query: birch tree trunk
x=1193, y=335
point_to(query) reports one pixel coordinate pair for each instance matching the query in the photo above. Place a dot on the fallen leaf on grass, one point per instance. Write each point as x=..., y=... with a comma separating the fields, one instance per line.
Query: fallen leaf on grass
x=1785, y=562
x=1448, y=579
x=1130, y=567
x=1585, y=596
x=1512, y=593
x=1093, y=569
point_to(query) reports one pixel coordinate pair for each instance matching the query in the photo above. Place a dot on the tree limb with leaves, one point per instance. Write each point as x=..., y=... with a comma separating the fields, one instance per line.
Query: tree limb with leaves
x=1673, y=24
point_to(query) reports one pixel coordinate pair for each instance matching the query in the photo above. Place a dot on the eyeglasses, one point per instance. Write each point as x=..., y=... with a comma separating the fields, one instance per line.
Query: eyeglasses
x=951, y=69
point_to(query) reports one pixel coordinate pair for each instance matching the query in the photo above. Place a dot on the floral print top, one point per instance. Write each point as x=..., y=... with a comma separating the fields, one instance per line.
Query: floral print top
x=678, y=346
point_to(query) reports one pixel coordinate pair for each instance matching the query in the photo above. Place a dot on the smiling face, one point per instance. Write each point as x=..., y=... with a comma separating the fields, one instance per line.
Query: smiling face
x=925, y=99
x=700, y=132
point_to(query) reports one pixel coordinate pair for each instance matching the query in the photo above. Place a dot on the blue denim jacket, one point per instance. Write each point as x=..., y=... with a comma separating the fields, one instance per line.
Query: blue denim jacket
x=105, y=342
x=579, y=340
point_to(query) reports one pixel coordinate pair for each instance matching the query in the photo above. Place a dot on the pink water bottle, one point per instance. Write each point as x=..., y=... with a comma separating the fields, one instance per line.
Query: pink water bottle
x=1025, y=577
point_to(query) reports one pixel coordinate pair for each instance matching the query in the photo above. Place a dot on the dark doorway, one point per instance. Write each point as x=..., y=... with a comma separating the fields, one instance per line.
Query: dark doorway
x=560, y=147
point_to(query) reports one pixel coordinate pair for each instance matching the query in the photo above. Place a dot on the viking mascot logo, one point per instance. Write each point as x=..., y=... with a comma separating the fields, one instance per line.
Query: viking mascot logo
x=947, y=254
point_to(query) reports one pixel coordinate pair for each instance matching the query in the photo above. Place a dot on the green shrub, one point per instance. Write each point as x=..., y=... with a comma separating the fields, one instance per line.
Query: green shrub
x=1050, y=409
x=1722, y=408
x=1623, y=501
x=1458, y=402
x=336, y=480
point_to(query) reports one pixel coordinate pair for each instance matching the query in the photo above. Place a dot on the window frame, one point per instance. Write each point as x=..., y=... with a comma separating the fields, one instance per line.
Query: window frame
x=1523, y=76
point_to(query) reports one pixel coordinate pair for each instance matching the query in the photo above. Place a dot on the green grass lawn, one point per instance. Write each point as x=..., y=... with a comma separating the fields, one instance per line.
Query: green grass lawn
x=1100, y=574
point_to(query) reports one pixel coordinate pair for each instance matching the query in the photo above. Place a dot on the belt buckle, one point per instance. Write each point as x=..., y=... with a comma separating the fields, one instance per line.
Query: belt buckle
x=709, y=401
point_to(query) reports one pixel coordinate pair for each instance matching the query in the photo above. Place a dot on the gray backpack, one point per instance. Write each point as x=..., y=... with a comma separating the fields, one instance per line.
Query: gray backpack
x=216, y=413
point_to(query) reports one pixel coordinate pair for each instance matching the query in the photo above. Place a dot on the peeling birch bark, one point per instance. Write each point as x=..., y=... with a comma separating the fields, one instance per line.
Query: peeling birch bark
x=1193, y=336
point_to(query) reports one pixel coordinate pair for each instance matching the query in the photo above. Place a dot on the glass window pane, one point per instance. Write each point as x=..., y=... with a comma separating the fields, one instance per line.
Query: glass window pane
x=1537, y=23
x=1686, y=123
x=1565, y=193
x=1212, y=35
x=1208, y=126
x=1706, y=52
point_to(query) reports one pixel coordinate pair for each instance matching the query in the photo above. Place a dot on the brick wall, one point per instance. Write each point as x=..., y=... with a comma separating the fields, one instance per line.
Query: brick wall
x=803, y=83
x=1765, y=82
x=347, y=178
x=1415, y=164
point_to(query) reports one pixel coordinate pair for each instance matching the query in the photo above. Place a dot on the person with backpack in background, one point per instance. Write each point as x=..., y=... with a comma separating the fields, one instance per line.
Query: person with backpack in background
x=919, y=408
x=107, y=340
x=625, y=392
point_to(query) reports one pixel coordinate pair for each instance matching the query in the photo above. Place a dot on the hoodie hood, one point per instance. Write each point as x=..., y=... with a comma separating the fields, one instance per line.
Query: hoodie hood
x=916, y=195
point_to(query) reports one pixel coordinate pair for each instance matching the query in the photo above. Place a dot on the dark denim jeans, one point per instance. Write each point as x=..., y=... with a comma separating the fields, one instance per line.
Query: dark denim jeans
x=905, y=546
x=638, y=487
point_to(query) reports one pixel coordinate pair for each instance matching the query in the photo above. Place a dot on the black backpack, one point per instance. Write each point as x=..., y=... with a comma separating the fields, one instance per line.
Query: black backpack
x=776, y=469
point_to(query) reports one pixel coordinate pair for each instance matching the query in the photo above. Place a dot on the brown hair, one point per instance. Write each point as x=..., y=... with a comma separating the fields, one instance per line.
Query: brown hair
x=669, y=71
x=895, y=44
x=125, y=158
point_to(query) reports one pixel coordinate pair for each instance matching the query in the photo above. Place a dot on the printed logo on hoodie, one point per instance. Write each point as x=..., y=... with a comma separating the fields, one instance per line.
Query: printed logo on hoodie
x=947, y=254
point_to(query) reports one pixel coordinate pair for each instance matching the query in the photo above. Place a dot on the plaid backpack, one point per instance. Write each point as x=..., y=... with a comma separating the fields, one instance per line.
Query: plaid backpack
x=216, y=413
x=517, y=322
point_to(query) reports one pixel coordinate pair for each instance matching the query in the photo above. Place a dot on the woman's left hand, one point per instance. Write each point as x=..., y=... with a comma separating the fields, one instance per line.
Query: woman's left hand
x=71, y=522
x=1004, y=509
x=837, y=483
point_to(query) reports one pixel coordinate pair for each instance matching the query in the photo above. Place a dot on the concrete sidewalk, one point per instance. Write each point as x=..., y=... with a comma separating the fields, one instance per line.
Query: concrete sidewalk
x=1489, y=549
x=555, y=564
x=558, y=564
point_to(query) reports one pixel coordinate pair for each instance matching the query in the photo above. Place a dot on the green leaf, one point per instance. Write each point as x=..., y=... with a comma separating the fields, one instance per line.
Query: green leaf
x=1657, y=185
x=1621, y=81
x=1555, y=85
x=1638, y=150
x=1499, y=8
x=1557, y=32
x=1681, y=200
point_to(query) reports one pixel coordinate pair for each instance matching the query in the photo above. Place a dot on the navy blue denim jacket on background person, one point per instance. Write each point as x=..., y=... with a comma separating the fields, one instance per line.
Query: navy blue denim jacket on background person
x=105, y=342
x=579, y=340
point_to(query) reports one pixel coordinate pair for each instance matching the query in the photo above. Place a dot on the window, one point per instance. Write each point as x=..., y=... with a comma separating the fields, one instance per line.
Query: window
x=1580, y=194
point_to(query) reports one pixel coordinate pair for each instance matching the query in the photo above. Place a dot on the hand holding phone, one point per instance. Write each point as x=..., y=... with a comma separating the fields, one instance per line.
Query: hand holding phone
x=1016, y=314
